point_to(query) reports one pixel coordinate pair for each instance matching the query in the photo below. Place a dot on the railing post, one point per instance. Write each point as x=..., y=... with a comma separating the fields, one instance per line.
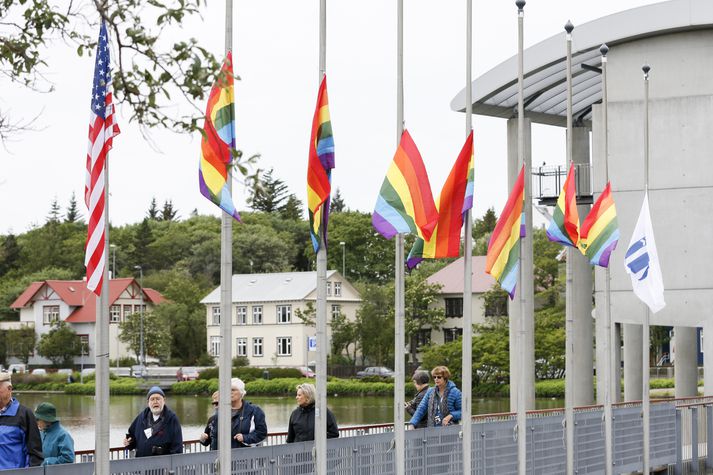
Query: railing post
x=694, y=440
x=679, y=443
x=709, y=437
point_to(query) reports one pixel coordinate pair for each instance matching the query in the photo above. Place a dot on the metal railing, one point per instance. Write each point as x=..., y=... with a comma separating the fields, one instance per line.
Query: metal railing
x=547, y=183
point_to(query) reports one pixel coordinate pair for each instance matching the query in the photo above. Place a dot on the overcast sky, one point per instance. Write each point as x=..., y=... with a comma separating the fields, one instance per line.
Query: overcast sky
x=276, y=55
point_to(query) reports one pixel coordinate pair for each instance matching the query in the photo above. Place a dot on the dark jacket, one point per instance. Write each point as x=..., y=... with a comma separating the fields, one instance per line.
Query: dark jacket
x=249, y=421
x=412, y=405
x=57, y=445
x=20, y=442
x=166, y=435
x=301, y=427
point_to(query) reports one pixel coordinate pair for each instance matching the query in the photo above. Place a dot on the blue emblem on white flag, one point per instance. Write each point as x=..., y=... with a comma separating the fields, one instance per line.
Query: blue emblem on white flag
x=642, y=262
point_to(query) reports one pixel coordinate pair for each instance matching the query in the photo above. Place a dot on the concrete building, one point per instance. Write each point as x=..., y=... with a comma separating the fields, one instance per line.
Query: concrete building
x=266, y=329
x=44, y=303
x=676, y=39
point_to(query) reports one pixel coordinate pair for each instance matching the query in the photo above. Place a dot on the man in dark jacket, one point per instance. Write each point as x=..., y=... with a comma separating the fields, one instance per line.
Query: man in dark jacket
x=248, y=426
x=20, y=441
x=156, y=430
x=301, y=426
x=420, y=380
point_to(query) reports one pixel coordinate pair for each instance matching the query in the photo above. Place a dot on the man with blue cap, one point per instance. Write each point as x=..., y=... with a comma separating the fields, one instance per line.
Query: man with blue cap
x=156, y=430
x=57, y=444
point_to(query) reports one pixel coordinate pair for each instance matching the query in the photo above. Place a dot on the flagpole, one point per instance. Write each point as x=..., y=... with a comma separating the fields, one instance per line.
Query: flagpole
x=320, y=420
x=399, y=307
x=467, y=341
x=569, y=291
x=645, y=403
x=609, y=370
x=226, y=297
x=521, y=415
x=101, y=354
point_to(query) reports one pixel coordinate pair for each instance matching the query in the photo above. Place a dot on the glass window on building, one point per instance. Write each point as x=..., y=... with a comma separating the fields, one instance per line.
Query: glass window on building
x=215, y=346
x=257, y=314
x=257, y=346
x=83, y=345
x=241, y=315
x=127, y=310
x=216, y=316
x=284, y=313
x=454, y=307
x=337, y=289
x=284, y=346
x=329, y=289
x=452, y=334
x=420, y=338
x=497, y=306
x=336, y=310
x=115, y=314
x=241, y=347
x=50, y=314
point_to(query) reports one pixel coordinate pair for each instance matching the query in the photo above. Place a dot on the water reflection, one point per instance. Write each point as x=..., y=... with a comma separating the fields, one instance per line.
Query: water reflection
x=77, y=412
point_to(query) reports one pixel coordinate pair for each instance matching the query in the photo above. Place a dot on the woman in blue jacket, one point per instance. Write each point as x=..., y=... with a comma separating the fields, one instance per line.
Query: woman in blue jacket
x=442, y=403
x=57, y=444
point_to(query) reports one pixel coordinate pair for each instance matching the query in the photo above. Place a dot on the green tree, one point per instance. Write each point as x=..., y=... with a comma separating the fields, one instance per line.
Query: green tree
x=550, y=343
x=142, y=240
x=337, y=203
x=421, y=311
x=153, y=213
x=72, y=215
x=292, y=209
x=21, y=343
x=168, y=213
x=9, y=254
x=485, y=225
x=12, y=287
x=268, y=194
x=375, y=324
x=157, y=334
x=60, y=345
x=53, y=216
x=546, y=266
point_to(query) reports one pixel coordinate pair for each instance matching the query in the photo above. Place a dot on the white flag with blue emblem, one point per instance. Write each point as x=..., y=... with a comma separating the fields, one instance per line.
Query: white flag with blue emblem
x=642, y=262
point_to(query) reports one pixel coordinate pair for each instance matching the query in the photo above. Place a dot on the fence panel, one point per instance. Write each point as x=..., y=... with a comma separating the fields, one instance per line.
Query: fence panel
x=546, y=451
x=589, y=441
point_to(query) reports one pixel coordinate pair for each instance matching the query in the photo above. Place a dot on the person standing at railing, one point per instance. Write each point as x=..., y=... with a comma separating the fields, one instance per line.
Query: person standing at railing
x=420, y=380
x=20, y=441
x=210, y=433
x=57, y=444
x=156, y=430
x=248, y=426
x=442, y=403
x=301, y=426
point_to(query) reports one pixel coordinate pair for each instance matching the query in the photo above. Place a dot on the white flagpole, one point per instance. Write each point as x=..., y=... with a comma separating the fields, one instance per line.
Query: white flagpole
x=521, y=400
x=645, y=326
x=399, y=294
x=225, y=362
x=467, y=373
x=320, y=419
x=569, y=298
x=609, y=348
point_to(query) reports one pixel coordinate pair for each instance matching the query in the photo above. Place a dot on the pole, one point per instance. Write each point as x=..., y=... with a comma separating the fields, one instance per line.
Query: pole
x=101, y=356
x=113, y=263
x=320, y=420
x=569, y=298
x=344, y=258
x=521, y=400
x=142, y=353
x=467, y=389
x=399, y=291
x=226, y=299
x=645, y=326
x=609, y=370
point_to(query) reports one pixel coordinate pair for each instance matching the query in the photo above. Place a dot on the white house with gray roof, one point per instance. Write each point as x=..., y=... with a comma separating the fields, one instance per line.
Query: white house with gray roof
x=265, y=327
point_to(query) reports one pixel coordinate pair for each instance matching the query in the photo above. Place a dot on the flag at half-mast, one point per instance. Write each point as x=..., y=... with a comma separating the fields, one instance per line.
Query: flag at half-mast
x=564, y=227
x=455, y=200
x=102, y=130
x=319, y=169
x=599, y=234
x=503, y=258
x=405, y=203
x=218, y=141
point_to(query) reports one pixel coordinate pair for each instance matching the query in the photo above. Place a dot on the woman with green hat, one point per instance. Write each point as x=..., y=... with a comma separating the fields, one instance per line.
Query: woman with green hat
x=57, y=444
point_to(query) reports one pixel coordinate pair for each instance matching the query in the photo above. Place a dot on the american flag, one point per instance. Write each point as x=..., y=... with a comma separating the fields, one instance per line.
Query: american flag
x=102, y=129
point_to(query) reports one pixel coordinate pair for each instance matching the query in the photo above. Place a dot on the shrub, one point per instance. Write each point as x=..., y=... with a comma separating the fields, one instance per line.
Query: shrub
x=241, y=361
x=247, y=373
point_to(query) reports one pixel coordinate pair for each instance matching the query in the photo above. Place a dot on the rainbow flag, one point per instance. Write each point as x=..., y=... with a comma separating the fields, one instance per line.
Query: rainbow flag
x=319, y=169
x=503, y=258
x=564, y=227
x=455, y=200
x=218, y=141
x=600, y=230
x=405, y=203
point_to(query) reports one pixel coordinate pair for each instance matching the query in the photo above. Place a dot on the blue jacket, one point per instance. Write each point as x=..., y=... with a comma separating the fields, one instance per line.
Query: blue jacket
x=166, y=434
x=20, y=442
x=454, y=404
x=249, y=421
x=57, y=445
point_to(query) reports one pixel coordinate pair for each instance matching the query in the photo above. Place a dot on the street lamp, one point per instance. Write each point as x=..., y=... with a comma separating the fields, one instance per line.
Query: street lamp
x=113, y=260
x=344, y=258
x=142, y=356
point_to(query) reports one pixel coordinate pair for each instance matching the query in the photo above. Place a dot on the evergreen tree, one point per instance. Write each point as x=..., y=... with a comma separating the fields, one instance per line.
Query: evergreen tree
x=9, y=254
x=142, y=240
x=168, y=213
x=337, y=203
x=292, y=209
x=72, y=215
x=152, y=213
x=53, y=217
x=485, y=225
x=268, y=194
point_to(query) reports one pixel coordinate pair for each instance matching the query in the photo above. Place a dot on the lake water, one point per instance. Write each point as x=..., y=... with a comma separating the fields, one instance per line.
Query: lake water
x=76, y=413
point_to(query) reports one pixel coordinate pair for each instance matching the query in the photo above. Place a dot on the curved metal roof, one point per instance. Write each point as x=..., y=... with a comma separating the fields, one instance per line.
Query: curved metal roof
x=495, y=92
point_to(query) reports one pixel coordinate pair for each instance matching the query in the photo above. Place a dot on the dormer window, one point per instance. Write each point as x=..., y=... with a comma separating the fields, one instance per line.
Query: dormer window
x=50, y=314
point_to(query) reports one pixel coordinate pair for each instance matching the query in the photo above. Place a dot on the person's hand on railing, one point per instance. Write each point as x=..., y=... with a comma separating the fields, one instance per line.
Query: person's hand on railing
x=204, y=437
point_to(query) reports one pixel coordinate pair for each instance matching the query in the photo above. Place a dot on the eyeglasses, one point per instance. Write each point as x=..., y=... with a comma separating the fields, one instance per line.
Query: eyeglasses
x=437, y=376
x=215, y=403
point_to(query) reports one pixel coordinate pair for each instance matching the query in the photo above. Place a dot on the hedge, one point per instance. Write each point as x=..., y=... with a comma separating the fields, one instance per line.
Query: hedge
x=121, y=386
x=287, y=387
x=248, y=374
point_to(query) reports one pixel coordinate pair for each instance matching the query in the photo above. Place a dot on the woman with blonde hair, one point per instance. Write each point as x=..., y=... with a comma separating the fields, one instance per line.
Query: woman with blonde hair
x=442, y=403
x=301, y=426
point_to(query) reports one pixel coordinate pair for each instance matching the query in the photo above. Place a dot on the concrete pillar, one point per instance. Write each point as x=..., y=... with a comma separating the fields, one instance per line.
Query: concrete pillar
x=686, y=364
x=526, y=288
x=582, y=294
x=633, y=376
x=617, y=363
